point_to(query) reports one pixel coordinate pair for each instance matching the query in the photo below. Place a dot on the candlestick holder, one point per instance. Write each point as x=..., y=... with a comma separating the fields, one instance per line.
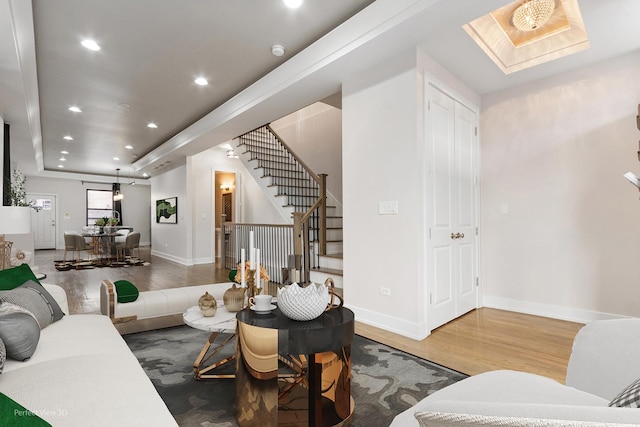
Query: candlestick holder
x=252, y=289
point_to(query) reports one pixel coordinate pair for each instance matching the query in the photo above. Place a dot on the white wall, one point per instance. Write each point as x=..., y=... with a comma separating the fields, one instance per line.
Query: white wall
x=72, y=204
x=383, y=152
x=383, y=161
x=314, y=133
x=555, y=152
x=193, y=184
x=172, y=241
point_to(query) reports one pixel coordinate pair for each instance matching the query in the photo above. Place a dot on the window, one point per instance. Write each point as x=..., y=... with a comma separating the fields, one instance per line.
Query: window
x=99, y=205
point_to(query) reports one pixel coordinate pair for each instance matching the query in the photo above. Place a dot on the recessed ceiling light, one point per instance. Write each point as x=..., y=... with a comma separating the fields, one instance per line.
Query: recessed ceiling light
x=124, y=105
x=75, y=109
x=68, y=137
x=145, y=174
x=201, y=81
x=292, y=4
x=64, y=152
x=116, y=158
x=61, y=166
x=90, y=44
x=152, y=126
x=129, y=147
x=62, y=159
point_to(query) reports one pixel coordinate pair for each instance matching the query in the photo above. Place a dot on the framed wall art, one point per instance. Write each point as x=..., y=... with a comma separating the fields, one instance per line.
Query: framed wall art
x=167, y=211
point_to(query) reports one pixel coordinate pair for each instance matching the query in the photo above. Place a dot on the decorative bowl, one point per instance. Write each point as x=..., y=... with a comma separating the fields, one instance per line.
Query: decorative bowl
x=303, y=304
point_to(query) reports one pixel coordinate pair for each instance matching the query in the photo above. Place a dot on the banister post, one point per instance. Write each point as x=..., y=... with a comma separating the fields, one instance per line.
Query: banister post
x=323, y=214
x=223, y=249
x=297, y=237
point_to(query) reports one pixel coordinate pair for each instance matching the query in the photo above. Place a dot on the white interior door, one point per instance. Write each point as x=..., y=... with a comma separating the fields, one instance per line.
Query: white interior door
x=43, y=221
x=450, y=136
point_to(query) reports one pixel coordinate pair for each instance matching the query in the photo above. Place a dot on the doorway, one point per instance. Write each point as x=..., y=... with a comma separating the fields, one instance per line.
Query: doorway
x=452, y=243
x=224, y=202
x=43, y=220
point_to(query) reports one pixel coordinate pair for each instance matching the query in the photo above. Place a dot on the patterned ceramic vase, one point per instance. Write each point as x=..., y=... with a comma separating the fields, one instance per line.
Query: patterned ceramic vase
x=234, y=298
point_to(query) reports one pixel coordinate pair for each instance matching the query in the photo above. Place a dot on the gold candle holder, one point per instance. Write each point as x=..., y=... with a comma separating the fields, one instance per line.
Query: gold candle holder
x=252, y=289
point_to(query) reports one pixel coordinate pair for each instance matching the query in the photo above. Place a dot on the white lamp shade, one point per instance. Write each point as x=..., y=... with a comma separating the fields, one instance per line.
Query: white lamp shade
x=15, y=219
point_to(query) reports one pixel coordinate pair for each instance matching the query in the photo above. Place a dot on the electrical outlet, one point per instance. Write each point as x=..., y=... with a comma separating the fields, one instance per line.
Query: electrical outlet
x=385, y=291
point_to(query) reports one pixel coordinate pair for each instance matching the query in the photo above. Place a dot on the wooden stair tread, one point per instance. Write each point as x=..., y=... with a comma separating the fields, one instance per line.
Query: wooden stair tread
x=337, y=256
x=331, y=271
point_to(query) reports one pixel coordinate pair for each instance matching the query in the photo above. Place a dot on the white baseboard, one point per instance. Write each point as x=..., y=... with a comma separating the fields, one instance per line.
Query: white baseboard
x=205, y=260
x=547, y=310
x=416, y=331
x=173, y=258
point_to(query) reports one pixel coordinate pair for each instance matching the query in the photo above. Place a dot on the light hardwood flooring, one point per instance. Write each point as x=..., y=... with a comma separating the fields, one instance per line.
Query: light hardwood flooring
x=480, y=341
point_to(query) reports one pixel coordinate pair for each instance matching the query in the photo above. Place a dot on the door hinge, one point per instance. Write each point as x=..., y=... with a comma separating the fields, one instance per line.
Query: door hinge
x=476, y=130
x=429, y=234
x=430, y=298
x=476, y=231
x=477, y=281
x=428, y=105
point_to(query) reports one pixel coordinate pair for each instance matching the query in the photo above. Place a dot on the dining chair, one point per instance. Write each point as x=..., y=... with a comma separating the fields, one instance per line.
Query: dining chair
x=75, y=243
x=131, y=243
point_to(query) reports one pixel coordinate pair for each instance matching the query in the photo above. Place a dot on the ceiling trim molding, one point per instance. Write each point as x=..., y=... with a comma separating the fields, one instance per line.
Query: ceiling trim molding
x=21, y=17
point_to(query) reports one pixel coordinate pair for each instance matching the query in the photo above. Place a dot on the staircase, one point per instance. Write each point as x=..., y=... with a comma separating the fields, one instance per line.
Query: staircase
x=293, y=187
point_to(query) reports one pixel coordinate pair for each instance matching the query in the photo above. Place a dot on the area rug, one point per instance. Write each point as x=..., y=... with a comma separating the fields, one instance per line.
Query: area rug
x=384, y=380
x=85, y=264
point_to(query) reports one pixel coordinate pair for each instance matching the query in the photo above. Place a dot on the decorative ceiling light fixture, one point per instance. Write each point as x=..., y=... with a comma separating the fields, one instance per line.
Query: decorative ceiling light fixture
x=232, y=154
x=118, y=195
x=533, y=14
x=201, y=81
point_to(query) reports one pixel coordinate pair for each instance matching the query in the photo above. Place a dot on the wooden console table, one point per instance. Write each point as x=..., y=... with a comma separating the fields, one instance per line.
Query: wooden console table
x=294, y=373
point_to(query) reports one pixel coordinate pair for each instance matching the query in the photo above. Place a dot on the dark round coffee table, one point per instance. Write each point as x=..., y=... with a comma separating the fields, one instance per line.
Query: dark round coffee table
x=294, y=372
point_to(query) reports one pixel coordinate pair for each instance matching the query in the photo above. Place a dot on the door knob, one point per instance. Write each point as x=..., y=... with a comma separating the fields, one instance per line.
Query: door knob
x=460, y=235
x=453, y=236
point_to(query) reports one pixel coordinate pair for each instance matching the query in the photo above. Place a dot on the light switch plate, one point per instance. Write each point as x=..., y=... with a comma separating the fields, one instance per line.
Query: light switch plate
x=388, y=208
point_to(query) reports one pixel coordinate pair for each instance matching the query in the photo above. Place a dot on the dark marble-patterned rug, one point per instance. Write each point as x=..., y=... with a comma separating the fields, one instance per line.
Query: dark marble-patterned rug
x=384, y=381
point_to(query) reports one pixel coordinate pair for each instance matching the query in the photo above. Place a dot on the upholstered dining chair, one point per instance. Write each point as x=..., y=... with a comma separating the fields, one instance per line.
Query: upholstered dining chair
x=74, y=242
x=131, y=242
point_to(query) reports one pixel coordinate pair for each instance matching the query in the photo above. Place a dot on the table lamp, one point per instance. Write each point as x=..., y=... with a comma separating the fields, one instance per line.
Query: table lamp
x=13, y=220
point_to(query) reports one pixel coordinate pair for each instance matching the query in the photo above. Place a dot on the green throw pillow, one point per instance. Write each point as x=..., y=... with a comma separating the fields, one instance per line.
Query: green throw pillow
x=15, y=415
x=13, y=277
x=127, y=292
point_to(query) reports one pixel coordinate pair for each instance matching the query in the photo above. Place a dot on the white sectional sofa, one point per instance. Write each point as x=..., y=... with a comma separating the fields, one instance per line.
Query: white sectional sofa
x=83, y=374
x=156, y=303
x=605, y=359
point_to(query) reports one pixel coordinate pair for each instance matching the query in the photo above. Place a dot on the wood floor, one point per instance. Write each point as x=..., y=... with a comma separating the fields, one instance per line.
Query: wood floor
x=482, y=340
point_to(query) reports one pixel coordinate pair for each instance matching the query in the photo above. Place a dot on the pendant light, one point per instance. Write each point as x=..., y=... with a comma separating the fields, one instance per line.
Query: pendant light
x=117, y=196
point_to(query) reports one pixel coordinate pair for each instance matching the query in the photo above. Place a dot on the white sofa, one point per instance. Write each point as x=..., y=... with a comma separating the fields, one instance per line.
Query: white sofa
x=605, y=359
x=156, y=303
x=83, y=374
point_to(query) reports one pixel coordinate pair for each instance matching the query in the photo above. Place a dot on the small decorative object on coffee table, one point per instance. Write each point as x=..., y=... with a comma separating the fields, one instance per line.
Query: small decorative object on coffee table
x=303, y=304
x=234, y=298
x=207, y=305
x=254, y=282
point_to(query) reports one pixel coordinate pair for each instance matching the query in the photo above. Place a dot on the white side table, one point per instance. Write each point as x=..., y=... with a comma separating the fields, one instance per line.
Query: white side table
x=223, y=322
